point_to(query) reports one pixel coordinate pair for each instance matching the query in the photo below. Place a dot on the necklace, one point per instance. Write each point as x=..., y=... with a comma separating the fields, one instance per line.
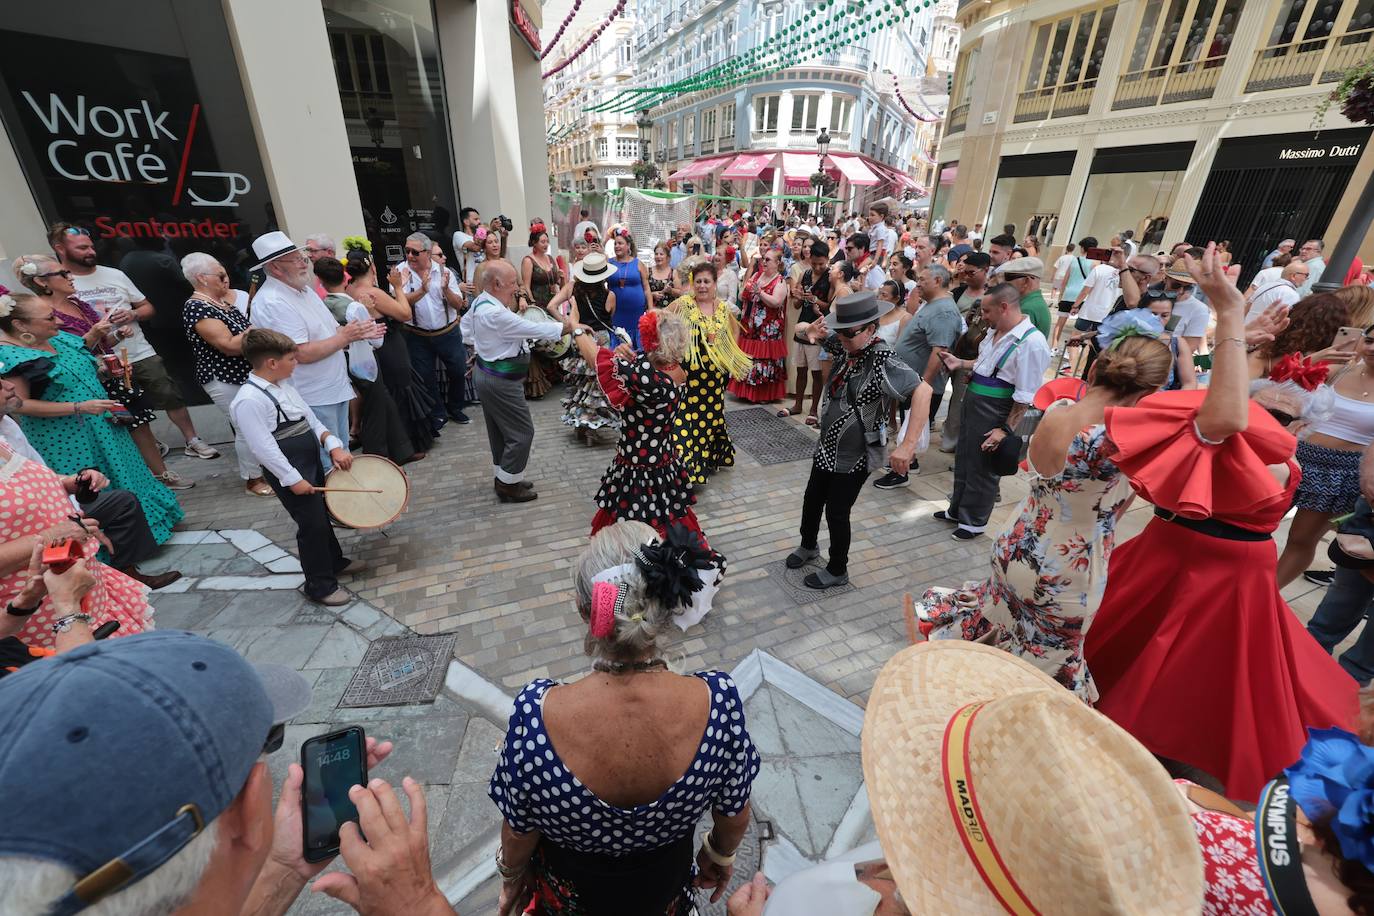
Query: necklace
x=609, y=667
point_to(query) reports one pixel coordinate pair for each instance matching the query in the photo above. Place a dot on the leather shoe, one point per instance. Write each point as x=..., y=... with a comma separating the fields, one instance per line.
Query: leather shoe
x=353, y=568
x=161, y=580
x=514, y=493
x=336, y=598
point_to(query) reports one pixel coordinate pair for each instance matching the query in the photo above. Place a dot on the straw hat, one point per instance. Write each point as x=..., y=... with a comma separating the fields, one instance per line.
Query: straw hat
x=1083, y=820
x=593, y=268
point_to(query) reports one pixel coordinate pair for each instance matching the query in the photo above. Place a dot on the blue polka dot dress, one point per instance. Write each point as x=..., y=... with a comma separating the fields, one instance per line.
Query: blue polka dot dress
x=535, y=791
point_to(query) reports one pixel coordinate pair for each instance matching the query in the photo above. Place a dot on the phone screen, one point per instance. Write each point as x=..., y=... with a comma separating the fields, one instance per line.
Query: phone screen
x=333, y=764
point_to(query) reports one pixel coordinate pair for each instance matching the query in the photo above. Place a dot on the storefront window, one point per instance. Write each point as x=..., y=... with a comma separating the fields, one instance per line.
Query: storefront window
x=386, y=62
x=1140, y=202
x=135, y=127
x=944, y=187
x=1028, y=194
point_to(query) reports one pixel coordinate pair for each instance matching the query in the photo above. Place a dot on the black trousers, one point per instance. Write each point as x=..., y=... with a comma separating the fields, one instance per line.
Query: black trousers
x=124, y=524
x=834, y=494
x=321, y=557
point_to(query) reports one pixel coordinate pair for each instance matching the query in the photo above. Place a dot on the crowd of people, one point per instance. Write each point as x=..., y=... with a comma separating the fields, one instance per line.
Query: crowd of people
x=1163, y=680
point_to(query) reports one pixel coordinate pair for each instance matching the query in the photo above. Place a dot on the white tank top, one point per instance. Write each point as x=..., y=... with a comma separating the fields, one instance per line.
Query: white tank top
x=1351, y=420
x=888, y=332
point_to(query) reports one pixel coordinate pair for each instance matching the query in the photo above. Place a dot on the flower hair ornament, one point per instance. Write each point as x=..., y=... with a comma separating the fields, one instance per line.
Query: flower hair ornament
x=29, y=268
x=7, y=304
x=1306, y=374
x=537, y=227
x=648, y=331
x=1130, y=323
x=672, y=566
x=357, y=243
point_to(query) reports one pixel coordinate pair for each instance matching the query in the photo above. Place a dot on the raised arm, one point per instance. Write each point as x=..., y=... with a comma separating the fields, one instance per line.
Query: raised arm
x=1225, y=410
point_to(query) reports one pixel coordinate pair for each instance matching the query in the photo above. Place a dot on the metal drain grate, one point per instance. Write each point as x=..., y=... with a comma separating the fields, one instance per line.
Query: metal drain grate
x=769, y=439
x=749, y=859
x=791, y=581
x=400, y=671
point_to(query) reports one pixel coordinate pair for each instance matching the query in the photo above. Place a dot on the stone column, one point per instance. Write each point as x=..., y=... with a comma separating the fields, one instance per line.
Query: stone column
x=287, y=70
x=1194, y=179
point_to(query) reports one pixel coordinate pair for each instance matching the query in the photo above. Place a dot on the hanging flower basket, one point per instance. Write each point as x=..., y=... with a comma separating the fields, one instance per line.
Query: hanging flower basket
x=823, y=183
x=645, y=172
x=1354, y=94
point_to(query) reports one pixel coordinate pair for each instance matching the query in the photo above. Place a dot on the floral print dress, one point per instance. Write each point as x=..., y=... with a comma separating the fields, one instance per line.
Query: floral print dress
x=1049, y=568
x=761, y=337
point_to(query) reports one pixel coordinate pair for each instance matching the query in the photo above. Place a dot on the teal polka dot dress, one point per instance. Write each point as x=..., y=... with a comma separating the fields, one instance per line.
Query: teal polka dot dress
x=73, y=443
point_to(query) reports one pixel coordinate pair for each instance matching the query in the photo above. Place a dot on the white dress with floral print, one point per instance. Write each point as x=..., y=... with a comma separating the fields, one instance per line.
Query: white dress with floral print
x=1049, y=568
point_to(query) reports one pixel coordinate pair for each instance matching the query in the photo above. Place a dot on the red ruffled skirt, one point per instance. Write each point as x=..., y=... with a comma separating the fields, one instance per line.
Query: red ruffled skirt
x=605, y=517
x=767, y=377
x=1196, y=654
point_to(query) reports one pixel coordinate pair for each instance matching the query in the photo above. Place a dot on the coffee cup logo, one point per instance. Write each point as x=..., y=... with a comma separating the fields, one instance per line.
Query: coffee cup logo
x=236, y=185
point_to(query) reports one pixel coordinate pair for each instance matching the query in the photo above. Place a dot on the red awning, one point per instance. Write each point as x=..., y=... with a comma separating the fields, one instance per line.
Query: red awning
x=748, y=166
x=797, y=168
x=699, y=168
x=855, y=169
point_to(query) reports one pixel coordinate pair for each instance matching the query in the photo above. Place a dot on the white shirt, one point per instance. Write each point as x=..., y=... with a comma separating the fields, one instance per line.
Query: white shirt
x=256, y=417
x=13, y=436
x=240, y=301
x=727, y=285
x=1025, y=368
x=1061, y=270
x=881, y=233
x=432, y=310
x=1315, y=268
x=1103, y=286
x=1194, y=316
x=468, y=259
x=875, y=278
x=303, y=316
x=1282, y=292
x=361, y=363
x=496, y=332
x=1266, y=276
x=109, y=290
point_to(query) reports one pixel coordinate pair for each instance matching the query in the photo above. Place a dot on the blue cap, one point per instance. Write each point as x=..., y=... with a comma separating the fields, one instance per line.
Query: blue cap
x=117, y=753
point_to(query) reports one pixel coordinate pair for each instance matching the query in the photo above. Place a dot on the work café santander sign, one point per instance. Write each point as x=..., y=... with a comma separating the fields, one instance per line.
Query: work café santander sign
x=129, y=151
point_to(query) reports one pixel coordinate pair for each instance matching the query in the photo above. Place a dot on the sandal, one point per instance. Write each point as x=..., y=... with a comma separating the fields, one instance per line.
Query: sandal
x=811, y=420
x=783, y=414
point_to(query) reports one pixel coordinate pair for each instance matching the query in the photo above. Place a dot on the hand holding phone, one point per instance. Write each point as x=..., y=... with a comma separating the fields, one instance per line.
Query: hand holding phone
x=1346, y=338
x=333, y=764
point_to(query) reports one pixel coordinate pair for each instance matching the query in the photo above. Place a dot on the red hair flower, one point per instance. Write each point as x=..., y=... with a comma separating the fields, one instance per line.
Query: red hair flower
x=1305, y=373
x=648, y=331
x=537, y=227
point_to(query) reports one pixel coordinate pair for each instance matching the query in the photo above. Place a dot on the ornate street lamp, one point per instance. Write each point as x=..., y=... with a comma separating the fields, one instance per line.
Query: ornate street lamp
x=374, y=124
x=820, y=179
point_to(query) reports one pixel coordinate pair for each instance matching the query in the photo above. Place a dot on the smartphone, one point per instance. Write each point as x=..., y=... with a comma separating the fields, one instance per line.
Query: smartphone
x=1172, y=324
x=1097, y=254
x=333, y=764
x=1346, y=337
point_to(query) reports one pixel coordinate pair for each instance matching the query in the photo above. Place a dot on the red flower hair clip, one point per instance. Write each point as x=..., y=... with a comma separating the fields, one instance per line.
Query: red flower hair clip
x=1303, y=372
x=537, y=227
x=648, y=331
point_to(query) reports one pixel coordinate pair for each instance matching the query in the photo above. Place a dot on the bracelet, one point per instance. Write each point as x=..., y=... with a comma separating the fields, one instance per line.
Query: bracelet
x=13, y=611
x=76, y=407
x=508, y=873
x=64, y=624
x=1239, y=340
x=722, y=860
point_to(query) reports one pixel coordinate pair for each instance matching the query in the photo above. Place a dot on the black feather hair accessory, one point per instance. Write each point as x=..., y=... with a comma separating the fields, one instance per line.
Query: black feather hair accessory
x=671, y=565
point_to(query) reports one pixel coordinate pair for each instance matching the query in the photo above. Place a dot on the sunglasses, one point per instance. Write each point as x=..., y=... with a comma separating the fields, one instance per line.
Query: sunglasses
x=850, y=333
x=1281, y=415
x=275, y=737
x=77, y=230
x=414, y=252
x=64, y=273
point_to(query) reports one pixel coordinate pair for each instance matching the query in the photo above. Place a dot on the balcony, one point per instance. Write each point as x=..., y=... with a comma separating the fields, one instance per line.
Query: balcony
x=1303, y=63
x=958, y=118
x=1186, y=81
x=850, y=58
x=727, y=144
x=1063, y=101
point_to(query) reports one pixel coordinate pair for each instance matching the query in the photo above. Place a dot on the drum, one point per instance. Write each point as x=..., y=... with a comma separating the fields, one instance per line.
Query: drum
x=555, y=349
x=371, y=494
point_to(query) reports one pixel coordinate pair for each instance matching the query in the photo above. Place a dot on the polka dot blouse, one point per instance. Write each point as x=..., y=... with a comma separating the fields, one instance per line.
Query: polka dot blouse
x=535, y=791
x=211, y=363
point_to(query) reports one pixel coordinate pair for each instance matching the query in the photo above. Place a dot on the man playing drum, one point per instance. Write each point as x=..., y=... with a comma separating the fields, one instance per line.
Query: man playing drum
x=500, y=338
x=285, y=437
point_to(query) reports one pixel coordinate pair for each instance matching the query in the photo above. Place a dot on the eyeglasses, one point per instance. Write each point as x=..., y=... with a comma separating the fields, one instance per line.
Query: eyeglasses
x=414, y=252
x=319, y=250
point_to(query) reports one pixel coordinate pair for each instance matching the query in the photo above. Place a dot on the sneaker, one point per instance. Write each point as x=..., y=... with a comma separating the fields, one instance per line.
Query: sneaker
x=461, y=418
x=942, y=515
x=892, y=481
x=949, y=448
x=174, y=481
x=199, y=448
x=162, y=448
x=1320, y=576
x=801, y=556
x=438, y=424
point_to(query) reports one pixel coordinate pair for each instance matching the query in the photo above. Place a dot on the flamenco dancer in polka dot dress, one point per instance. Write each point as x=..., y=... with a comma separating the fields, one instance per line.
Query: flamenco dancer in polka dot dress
x=646, y=481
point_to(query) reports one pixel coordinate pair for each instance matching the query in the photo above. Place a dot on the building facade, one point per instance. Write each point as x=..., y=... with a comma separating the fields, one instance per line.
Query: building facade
x=1175, y=120
x=591, y=151
x=700, y=140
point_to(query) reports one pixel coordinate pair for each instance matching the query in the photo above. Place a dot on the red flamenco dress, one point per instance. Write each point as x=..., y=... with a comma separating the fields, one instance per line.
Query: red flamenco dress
x=1193, y=649
x=760, y=336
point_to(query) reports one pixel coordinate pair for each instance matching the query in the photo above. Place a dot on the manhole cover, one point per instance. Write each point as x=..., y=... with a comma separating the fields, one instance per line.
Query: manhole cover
x=766, y=437
x=401, y=671
x=748, y=859
x=791, y=581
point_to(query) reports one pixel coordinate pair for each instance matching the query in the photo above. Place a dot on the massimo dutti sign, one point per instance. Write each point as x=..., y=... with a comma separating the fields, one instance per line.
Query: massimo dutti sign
x=1338, y=148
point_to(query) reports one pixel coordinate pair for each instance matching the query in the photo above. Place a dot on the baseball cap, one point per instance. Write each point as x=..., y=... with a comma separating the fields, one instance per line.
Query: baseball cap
x=180, y=718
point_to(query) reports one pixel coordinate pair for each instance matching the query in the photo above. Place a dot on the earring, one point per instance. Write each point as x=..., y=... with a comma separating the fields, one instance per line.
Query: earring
x=27, y=337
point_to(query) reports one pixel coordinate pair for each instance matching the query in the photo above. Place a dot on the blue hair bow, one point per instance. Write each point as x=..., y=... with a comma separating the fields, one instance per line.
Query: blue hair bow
x=1130, y=323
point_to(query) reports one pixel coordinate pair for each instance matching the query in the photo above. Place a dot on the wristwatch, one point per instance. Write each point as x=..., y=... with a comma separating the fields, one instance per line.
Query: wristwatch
x=63, y=624
x=578, y=332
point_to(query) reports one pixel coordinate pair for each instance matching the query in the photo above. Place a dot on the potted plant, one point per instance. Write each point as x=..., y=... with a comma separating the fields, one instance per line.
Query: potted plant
x=1354, y=93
